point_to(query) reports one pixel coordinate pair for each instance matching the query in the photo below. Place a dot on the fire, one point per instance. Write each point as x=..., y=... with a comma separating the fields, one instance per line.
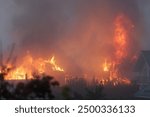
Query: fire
x=122, y=30
x=123, y=27
x=30, y=65
x=18, y=74
x=106, y=66
x=55, y=66
x=111, y=72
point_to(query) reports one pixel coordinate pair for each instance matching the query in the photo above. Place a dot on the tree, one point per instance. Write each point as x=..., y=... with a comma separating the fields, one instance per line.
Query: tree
x=19, y=91
x=66, y=93
x=6, y=89
x=94, y=92
x=38, y=88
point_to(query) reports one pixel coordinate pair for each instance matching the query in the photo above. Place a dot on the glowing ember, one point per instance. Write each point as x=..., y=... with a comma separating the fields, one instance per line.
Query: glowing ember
x=106, y=66
x=17, y=74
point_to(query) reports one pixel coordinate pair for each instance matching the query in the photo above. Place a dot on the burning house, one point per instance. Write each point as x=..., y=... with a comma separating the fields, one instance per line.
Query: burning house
x=76, y=40
x=110, y=70
x=142, y=74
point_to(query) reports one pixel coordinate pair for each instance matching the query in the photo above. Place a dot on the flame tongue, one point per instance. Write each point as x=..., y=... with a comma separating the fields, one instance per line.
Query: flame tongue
x=55, y=67
x=106, y=66
x=123, y=27
x=29, y=66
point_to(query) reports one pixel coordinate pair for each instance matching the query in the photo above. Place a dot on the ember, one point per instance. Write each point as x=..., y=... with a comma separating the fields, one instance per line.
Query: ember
x=106, y=66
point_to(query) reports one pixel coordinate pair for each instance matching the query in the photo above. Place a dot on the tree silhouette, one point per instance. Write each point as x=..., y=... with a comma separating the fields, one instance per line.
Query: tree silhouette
x=38, y=88
x=6, y=89
x=94, y=92
x=80, y=89
x=19, y=91
x=66, y=93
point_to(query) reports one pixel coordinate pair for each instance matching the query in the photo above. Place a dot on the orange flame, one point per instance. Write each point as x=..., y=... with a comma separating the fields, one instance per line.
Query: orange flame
x=106, y=66
x=55, y=66
x=123, y=27
x=29, y=66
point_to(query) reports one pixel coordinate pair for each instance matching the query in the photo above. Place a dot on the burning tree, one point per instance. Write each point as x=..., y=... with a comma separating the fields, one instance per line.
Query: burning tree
x=122, y=36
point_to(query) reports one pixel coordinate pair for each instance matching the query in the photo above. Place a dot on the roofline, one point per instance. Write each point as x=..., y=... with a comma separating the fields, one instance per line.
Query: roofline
x=145, y=59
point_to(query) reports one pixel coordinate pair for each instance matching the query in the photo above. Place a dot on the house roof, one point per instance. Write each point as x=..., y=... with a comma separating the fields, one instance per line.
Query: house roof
x=143, y=58
x=144, y=93
x=146, y=55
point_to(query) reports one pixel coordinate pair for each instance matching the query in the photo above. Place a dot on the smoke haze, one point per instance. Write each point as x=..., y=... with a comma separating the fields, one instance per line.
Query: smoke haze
x=6, y=16
x=78, y=32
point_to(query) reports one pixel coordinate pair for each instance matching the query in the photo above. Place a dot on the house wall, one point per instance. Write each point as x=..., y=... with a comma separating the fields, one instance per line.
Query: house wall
x=144, y=76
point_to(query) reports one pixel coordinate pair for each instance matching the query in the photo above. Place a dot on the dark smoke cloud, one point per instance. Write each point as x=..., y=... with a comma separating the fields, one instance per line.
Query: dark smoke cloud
x=79, y=31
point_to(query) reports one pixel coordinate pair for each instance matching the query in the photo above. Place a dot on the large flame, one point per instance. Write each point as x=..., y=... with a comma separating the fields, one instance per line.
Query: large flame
x=55, y=66
x=122, y=30
x=123, y=27
x=30, y=66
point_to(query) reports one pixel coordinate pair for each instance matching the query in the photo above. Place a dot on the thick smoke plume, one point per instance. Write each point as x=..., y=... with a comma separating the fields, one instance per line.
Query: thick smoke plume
x=78, y=32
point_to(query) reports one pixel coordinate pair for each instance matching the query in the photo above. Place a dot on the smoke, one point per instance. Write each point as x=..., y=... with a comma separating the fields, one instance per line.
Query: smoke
x=144, y=7
x=6, y=16
x=79, y=32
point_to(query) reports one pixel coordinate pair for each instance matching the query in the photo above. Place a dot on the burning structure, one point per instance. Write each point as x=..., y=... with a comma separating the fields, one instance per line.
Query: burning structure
x=142, y=74
x=28, y=67
x=86, y=38
x=110, y=71
x=123, y=28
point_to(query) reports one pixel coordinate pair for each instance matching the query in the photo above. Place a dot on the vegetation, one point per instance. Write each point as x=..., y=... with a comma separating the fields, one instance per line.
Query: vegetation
x=38, y=88
x=42, y=87
x=81, y=89
x=121, y=91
